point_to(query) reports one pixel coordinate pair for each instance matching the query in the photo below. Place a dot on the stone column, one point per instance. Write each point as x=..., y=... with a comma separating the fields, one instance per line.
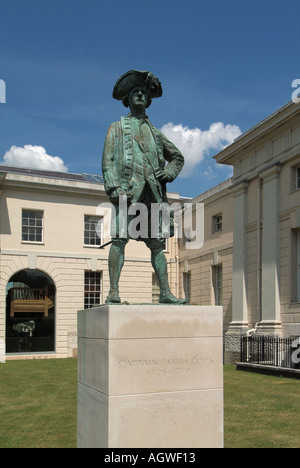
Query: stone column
x=239, y=323
x=271, y=323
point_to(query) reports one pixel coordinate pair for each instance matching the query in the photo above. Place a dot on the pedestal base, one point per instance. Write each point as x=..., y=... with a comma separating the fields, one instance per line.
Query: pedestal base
x=150, y=377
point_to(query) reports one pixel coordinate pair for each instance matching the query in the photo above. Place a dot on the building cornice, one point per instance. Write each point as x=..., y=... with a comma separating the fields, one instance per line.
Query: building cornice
x=259, y=131
x=19, y=181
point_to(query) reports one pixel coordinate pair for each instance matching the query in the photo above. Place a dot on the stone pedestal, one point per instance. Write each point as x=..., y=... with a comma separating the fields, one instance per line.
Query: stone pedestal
x=150, y=376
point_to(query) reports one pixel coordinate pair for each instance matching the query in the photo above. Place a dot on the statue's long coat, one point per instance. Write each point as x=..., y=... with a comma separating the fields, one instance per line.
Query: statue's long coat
x=114, y=164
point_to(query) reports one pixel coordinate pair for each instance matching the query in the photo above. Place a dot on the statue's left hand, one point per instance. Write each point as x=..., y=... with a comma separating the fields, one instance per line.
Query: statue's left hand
x=162, y=176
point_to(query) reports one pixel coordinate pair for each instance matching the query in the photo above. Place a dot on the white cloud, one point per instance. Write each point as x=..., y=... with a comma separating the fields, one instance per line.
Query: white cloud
x=33, y=157
x=195, y=144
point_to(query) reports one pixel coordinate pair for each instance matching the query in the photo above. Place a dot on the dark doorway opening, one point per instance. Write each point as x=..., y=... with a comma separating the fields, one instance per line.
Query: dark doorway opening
x=30, y=313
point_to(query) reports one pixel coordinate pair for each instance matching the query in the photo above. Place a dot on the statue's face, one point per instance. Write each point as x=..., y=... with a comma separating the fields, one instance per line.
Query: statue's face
x=138, y=98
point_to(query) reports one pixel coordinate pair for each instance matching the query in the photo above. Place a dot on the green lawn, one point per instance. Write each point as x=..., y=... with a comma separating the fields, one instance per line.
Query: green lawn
x=261, y=411
x=38, y=407
x=38, y=403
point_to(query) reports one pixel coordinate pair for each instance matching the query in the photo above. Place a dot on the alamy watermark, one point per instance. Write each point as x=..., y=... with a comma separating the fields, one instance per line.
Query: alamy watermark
x=158, y=221
x=296, y=353
x=295, y=94
x=2, y=92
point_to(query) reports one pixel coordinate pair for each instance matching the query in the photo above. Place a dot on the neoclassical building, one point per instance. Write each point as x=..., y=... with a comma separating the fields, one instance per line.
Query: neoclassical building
x=51, y=227
x=52, y=224
x=250, y=260
x=266, y=228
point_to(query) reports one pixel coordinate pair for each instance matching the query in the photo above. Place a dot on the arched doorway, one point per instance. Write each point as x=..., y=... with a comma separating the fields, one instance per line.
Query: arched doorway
x=30, y=313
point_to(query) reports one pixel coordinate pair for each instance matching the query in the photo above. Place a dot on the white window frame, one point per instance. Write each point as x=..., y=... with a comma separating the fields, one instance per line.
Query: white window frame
x=32, y=227
x=187, y=283
x=89, y=232
x=218, y=284
x=297, y=178
x=218, y=223
x=155, y=289
x=92, y=298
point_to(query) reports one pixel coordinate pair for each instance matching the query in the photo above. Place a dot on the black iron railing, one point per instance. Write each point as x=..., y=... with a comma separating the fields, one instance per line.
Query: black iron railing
x=271, y=351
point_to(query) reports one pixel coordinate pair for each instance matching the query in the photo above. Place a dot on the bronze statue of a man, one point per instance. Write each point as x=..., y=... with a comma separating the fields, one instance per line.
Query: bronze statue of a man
x=134, y=165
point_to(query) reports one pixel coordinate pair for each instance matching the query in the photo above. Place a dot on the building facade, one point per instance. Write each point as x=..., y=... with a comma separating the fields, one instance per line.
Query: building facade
x=250, y=259
x=51, y=226
x=206, y=273
x=266, y=251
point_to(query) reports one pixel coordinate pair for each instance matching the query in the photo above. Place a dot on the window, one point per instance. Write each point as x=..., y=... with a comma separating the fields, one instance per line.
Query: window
x=32, y=226
x=295, y=266
x=295, y=178
x=187, y=286
x=93, y=230
x=92, y=288
x=155, y=289
x=217, y=223
x=218, y=284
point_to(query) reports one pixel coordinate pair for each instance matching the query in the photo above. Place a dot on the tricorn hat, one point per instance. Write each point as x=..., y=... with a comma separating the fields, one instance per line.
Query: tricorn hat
x=135, y=78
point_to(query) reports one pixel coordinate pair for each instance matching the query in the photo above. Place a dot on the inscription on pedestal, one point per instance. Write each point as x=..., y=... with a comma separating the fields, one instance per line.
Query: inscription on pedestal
x=165, y=366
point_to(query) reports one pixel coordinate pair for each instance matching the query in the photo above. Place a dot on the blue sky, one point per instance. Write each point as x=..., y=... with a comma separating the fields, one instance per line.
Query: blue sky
x=224, y=66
